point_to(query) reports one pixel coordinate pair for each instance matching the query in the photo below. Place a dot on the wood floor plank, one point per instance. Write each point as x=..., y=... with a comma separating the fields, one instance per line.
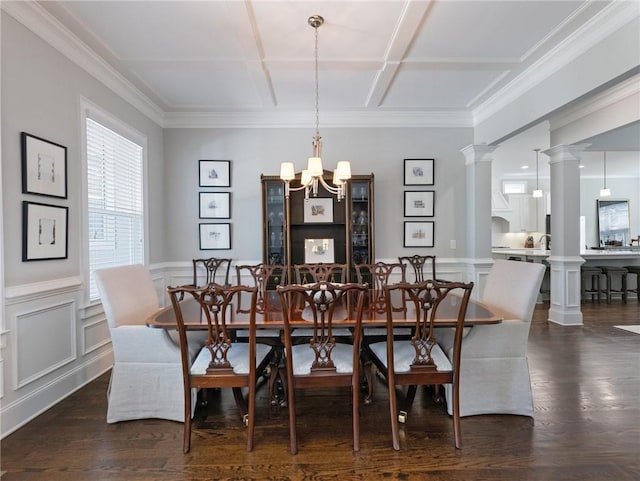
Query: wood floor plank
x=586, y=427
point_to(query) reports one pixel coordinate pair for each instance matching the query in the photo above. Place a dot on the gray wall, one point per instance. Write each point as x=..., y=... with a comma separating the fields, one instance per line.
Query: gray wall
x=41, y=92
x=260, y=151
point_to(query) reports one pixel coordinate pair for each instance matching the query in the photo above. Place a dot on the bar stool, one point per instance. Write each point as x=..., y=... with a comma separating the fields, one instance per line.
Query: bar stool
x=593, y=274
x=634, y=270
x=610, y=273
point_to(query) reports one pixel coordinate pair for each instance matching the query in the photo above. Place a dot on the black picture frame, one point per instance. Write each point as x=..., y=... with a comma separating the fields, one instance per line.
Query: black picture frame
x=215, y=236
x=419, y=233
x=45, y=231
x=419, y=203
x=214, y=205
x=214, y=173
x=419, y=171
x=44, y=167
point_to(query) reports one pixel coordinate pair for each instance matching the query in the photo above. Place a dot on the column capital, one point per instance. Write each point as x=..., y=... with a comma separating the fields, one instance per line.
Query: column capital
x=562, y=152
x=474, y=153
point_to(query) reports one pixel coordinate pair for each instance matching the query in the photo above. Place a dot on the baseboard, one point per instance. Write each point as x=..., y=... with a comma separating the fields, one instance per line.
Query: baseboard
x=24, y=409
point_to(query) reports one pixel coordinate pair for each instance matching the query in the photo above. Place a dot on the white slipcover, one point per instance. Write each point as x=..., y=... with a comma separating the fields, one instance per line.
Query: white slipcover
x=146, y=379
x=494, y=374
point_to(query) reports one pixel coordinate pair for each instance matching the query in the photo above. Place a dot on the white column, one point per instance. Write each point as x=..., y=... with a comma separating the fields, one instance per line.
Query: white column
x=478, y=181
x=565, y=260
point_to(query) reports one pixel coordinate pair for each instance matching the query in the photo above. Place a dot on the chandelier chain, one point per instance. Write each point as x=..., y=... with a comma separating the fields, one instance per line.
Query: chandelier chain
x=317, y=84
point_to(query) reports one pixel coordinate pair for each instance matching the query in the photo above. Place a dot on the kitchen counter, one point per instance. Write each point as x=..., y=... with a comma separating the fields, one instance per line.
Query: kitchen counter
x=537, y=255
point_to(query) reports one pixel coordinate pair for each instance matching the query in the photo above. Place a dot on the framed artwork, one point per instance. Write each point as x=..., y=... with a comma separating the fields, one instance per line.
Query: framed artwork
x=418, y=234
x=418, y=203
x=215, y=236
x=215, y=173
x=215, y=205
x=44, y=167
x=318, y=250
x=418, y=171
x=44, y=231
x=317, y=209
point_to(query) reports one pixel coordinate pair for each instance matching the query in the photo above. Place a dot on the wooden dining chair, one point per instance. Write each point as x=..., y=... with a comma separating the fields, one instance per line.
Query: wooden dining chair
x=418, y=264
x=420, y=360
x=322, y=361
x=221, y=363
x=379, y=276
x=306, y=273
x=263, y=276
x=216, y=271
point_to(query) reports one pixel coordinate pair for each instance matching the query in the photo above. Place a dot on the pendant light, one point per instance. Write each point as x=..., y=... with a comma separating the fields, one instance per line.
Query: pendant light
x=538, y=191
x=605, y=192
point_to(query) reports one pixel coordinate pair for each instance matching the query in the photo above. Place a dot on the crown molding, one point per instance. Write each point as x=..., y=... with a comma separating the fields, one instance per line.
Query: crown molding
x=298, y=119
x=49, y=29
x=597, y=102
x=607, y=21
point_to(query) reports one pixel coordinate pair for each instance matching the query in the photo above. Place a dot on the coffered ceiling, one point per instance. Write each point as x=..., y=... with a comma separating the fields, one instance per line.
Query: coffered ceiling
x=442, y=57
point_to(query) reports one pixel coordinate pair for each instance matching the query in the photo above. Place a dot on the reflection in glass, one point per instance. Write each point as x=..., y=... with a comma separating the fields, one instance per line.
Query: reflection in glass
x=613, y=222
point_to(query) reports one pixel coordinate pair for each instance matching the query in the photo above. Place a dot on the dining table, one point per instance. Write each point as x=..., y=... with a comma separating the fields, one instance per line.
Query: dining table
x=270, y=316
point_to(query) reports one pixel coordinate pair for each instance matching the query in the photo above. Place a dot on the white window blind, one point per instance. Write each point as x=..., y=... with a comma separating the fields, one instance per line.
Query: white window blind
x=115, y=201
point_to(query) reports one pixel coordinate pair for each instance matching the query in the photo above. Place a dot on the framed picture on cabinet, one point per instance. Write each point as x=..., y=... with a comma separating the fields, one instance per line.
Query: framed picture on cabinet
x=418, y=234
x=418, y=171
x=215, y=236
x=44, y=231
x=319, y=210
x=215, y=173
x=318, y=250
x=215, y=205
x=44, y=167
x=418, y=203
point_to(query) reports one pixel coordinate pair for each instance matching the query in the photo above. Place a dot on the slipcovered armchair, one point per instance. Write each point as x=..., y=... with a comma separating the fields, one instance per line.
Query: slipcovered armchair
x=494, y=373
x=146, y=378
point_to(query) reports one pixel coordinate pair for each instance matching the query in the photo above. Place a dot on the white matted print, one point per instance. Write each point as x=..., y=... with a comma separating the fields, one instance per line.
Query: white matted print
x=318, y=209
x=418, y=171
x=44, y=167
x=215, y=236
x=418, y=234
x=418, y=203
x=215, y=205
x=44, y=231
x=318, y=250
x=215, y=173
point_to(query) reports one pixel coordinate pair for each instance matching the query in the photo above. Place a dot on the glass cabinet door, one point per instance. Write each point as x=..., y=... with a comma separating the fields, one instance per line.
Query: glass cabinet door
x=274, y=218
x=361, y=221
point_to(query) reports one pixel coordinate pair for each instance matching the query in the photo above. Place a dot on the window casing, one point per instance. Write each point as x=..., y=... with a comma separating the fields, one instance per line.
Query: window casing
x=115, y=221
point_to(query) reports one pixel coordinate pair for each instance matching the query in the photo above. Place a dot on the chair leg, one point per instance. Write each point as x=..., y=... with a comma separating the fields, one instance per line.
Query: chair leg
x=186, y=440
x=355, y=389
x=457, y=431
x=411, y=395
x=240, y=401
x=250, y=412
x=290, y=394
x=393, y=410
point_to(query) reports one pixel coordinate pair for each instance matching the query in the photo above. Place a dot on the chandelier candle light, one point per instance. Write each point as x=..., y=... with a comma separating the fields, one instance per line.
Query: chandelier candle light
x=312, y=175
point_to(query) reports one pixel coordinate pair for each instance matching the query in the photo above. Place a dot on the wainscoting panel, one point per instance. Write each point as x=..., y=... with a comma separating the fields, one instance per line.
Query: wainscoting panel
x=45, y=340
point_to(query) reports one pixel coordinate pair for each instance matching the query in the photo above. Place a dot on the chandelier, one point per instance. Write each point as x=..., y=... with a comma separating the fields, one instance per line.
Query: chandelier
x=312, y=176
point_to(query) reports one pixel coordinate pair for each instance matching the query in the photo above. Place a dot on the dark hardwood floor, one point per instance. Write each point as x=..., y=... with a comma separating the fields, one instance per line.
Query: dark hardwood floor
x=586, y=386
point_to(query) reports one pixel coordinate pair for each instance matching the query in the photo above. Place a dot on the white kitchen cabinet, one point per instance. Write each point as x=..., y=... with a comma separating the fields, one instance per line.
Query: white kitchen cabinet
x=524, y=213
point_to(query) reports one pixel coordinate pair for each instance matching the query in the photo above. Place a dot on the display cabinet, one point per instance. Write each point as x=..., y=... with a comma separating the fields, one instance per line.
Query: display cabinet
x=274, y=221
x=321, y=228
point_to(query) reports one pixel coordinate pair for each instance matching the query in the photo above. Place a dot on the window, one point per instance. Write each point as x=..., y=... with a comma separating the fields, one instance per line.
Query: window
x=514, y=187
x=115, y=207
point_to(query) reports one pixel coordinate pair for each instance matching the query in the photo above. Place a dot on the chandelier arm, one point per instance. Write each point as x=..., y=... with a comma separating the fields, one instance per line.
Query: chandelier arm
x=330, y=188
